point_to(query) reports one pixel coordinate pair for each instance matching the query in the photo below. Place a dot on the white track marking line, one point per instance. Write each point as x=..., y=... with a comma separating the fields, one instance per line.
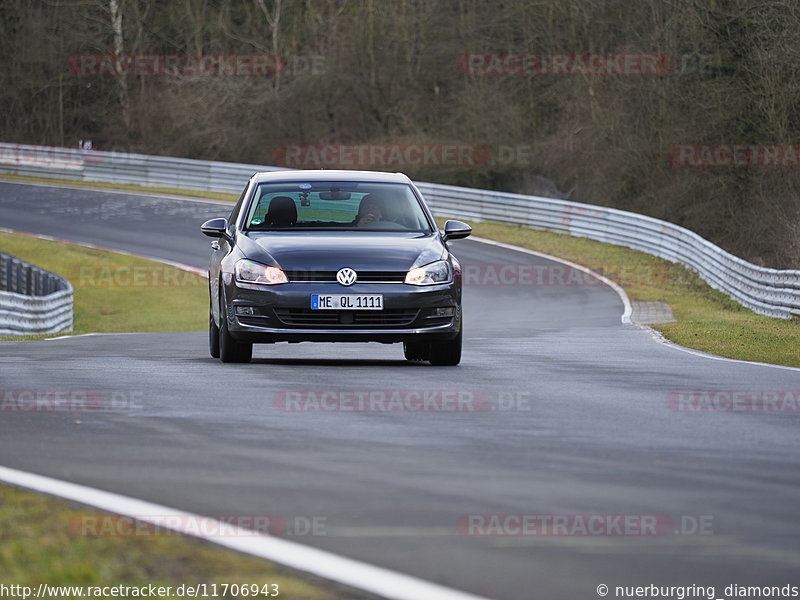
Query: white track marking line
x=353, y=573
x=69, y=337
x=626, y=315
x=659, y=337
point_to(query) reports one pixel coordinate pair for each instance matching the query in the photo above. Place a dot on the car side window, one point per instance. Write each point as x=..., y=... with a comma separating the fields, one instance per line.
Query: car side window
x=237, y=209
x=261, y=212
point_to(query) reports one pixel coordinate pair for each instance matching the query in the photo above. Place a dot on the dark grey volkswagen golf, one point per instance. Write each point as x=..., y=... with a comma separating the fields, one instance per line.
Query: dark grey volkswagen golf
x=334, y=256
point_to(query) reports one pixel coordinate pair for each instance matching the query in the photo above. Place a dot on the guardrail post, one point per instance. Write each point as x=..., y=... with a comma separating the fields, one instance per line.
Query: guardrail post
x=17, y=285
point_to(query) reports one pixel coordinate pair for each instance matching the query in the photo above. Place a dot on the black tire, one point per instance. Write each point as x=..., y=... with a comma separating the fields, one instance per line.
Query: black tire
x=416, y=351
x=231, y=351
x=213, y=337
x=447, y=354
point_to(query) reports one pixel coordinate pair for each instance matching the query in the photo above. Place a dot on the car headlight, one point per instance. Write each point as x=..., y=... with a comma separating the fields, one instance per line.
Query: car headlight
x=248, y=271
x=432, y=274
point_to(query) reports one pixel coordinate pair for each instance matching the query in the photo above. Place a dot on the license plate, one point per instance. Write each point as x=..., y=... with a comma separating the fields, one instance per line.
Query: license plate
x=346, y=302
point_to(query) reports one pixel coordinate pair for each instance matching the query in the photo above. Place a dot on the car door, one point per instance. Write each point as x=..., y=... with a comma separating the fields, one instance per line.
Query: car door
x=220, y=248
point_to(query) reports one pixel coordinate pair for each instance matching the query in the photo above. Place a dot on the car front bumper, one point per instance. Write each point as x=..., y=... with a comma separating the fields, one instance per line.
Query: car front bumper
x=282, y=313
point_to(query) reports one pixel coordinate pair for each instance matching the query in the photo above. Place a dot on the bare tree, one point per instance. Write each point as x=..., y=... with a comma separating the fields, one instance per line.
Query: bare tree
x=115, y=11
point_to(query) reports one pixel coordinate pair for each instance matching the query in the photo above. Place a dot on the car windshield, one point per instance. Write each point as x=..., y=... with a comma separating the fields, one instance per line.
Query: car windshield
x=339, y=205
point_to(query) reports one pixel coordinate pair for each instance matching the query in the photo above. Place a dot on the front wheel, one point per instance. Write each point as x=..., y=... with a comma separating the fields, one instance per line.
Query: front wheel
x=231, y=351
x=447, y=354
x=213, y=337
x=416, y=351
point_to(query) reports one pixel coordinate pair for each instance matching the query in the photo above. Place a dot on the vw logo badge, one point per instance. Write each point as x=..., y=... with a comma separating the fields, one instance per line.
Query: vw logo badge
x=346, y=276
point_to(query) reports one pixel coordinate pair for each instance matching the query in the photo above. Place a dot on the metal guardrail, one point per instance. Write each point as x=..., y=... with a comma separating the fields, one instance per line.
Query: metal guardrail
x=121, y=167
x=32, y=300
x=771, y=292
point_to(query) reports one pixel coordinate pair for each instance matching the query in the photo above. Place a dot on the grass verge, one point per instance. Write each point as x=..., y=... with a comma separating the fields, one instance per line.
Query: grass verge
x=117, y=293
x=707, y=320
x=41, y=543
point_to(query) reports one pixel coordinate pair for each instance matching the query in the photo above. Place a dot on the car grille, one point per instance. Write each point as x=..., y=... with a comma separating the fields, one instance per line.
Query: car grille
x=321, y=318
x=330, y=276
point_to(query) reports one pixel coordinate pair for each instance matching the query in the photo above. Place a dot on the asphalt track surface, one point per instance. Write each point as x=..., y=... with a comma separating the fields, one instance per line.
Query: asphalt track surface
x=590, y=432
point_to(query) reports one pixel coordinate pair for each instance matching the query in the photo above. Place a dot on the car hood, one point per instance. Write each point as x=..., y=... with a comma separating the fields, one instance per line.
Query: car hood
x=317, y=251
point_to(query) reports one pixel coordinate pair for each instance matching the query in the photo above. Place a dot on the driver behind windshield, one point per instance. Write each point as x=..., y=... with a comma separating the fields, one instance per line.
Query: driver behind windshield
x=374, y=208
x=369, y=211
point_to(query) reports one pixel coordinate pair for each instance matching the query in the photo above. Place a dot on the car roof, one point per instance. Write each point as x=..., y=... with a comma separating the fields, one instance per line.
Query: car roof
x=330, y=175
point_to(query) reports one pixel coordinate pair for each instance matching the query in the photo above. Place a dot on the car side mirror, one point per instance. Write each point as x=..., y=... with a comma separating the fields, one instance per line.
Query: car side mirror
x=216, y=228
x=456, y=230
